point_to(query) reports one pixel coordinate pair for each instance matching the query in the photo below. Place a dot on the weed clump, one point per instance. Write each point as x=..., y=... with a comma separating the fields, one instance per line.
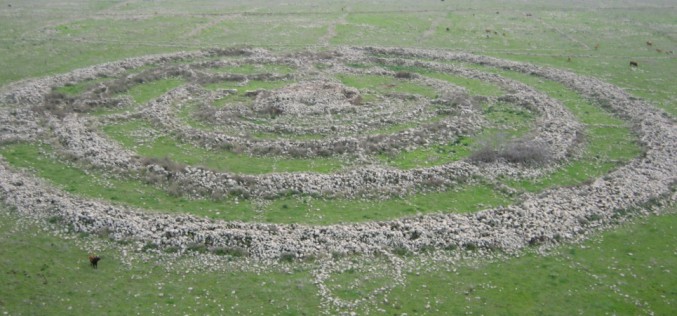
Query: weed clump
x=287, y=257
x=229, y=251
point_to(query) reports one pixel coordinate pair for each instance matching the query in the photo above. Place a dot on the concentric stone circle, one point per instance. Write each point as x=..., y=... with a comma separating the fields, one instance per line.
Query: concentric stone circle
x=315, y=97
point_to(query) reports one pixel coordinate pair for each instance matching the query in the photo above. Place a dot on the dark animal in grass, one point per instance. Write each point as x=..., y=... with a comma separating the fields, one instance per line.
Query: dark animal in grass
x=94, y=261
x=649, y=43
x=634, y=64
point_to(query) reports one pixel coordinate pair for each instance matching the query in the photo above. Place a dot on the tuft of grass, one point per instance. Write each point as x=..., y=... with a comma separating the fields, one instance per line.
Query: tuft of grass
x=145, y=92
x=250, y=69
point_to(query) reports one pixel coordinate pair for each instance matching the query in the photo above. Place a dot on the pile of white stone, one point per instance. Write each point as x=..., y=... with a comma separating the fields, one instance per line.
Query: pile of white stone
x=554, y=215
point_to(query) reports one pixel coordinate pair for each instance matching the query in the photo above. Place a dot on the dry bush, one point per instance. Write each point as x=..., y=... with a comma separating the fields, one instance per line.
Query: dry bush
x=523, y=152
x=404, y=75
x=205, y=113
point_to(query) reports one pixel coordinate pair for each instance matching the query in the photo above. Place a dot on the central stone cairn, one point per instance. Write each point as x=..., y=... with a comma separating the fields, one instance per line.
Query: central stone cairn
x=308, y=98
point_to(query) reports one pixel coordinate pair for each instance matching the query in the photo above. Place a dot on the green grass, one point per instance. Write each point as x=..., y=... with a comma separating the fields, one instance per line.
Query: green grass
x=608, y=148
x=98, y=185
x=399, y=127
x=440, y=154
x=289, y=136
x=506, y=122
x=239, y=96
x=515, y=116
x=136, y=135
x=46, y=275
x=392, y=29
x=145, y=92
x=385, y=85
x=464, y=199
x=609, y=141
x=434, y=155
x=309, y=210
x=607, y=274
x=77, y=88
x=267, y=31
x=474, y=86
x=249, y=69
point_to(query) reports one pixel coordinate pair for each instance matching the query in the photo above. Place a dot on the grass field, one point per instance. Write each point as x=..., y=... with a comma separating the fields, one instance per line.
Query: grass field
x=628, y=271
x=624, y=271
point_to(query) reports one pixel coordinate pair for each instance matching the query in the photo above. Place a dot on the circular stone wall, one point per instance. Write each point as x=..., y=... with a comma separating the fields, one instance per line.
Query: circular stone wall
x=354, y=106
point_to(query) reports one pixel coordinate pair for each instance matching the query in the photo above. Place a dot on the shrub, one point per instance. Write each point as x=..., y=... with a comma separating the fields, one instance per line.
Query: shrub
x=404, y=75
x=517, y=151
x=401, y=251
x=55, y=219
x=149, y=246
x=525, y=153
x=470, y=246
x=197, y=247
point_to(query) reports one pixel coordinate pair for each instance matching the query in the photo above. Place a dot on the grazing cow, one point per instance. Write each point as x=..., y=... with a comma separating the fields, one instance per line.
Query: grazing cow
x=94, y=261
x=633, y=64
